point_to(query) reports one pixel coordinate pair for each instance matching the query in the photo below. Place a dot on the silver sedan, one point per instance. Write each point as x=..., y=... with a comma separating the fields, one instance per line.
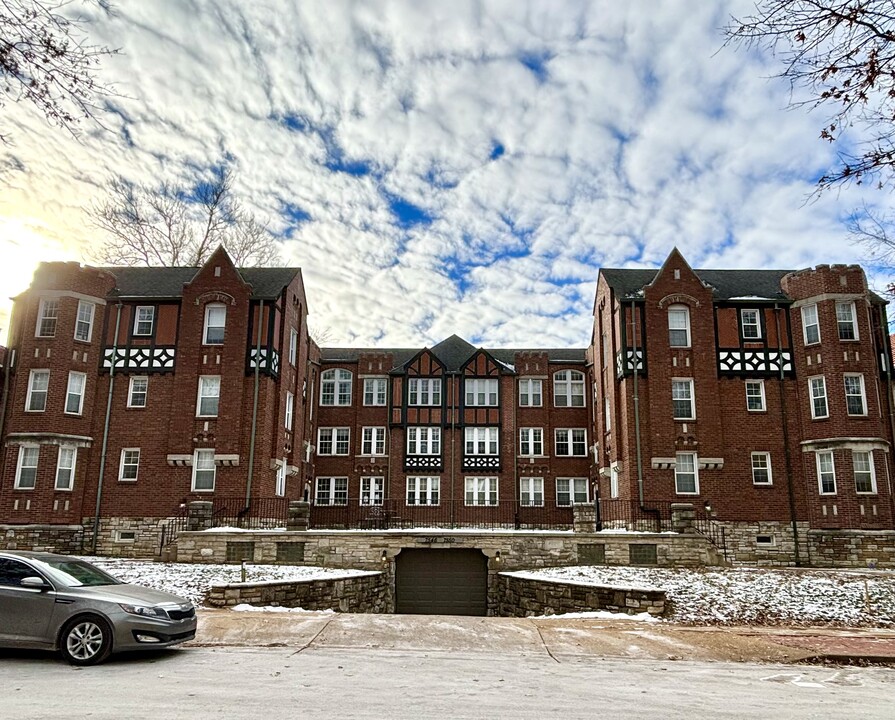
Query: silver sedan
x=58, y=602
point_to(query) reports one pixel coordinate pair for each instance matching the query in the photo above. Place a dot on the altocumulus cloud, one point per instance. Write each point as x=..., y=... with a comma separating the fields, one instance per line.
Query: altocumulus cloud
x=446, y=167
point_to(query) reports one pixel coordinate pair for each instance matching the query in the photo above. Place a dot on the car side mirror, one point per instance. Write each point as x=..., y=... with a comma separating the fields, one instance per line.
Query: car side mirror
x=34, y=582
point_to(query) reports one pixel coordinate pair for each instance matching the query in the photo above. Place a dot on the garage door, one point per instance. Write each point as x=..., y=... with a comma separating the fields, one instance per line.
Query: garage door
x=441, y=582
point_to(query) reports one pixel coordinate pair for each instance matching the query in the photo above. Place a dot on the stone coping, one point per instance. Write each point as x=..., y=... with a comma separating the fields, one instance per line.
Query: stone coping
x=297, y=581
x=533, y=575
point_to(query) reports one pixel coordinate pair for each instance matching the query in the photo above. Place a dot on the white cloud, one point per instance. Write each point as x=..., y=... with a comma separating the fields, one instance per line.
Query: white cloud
x=629, y=132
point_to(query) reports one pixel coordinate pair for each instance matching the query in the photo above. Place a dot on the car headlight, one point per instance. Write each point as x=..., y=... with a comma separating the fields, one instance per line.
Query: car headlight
x=144, y=611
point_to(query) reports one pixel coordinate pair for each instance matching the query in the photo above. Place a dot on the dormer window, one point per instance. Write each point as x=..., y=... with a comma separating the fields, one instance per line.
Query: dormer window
x=679, y=326
x=215, y=320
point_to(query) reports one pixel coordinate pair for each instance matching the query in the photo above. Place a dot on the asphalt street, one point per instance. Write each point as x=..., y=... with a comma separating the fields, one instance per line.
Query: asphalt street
x=331, y=681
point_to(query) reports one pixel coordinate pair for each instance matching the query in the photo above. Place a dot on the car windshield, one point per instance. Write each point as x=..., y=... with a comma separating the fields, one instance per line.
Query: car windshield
x=79, y=573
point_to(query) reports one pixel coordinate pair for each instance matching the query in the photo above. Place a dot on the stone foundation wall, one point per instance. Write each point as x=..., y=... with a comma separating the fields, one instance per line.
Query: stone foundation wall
x=65, y=539
x=743, y=547
x=852, y=548
x=522, y=597
x=518, y=550
x=368, y=593
x=114, y=537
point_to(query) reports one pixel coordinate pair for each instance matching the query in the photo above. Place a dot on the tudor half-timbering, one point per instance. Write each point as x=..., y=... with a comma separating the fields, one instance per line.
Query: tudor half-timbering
x=763, y=395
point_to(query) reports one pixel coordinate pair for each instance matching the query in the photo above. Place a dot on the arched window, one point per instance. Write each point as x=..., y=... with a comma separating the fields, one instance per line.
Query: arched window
x=568, y=388
x=679, y=326
x=335, y=387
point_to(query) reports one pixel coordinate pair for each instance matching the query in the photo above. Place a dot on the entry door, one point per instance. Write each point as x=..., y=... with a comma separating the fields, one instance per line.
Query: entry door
x=441, y=582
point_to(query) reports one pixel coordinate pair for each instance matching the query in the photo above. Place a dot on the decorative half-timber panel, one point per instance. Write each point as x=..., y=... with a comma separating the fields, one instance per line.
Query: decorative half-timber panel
x=422, y=462
x=144, y=359
x=738, y=361
x=481, y=462
x=270, y=360
x=622, y=368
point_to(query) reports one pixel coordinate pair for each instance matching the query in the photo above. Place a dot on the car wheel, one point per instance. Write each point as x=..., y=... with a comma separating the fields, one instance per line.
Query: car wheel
x=86, y=640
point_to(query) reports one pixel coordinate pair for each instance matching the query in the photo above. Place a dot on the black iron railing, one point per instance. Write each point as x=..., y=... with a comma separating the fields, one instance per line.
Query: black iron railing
x=631, y=515
x=173, y=526
x=265, y=513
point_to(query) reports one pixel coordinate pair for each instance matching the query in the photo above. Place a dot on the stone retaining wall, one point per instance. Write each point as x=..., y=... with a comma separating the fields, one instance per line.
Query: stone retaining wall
x=743, y=547
x=852, y=548
x=522, y=597
x=114, y=539
x=367, y=593
x=65, y=539
x=518, y=550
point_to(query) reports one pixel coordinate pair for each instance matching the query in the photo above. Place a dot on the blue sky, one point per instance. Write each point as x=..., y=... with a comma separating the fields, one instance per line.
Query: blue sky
x=442, y=168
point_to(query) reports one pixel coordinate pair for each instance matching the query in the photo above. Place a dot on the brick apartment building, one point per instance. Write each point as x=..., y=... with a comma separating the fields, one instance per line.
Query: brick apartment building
x=762, y=397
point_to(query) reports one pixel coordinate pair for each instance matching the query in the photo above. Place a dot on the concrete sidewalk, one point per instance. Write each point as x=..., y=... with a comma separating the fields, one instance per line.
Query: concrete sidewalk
x=554, y=636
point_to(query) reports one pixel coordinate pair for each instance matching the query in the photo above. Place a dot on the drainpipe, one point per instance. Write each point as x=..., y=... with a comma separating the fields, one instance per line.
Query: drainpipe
x=887, y=357
x=453, y=439
x=518, y=498
x=254, y=406
x=10, y=362
x=786, y=454
x=636, y=408
x=102, y=457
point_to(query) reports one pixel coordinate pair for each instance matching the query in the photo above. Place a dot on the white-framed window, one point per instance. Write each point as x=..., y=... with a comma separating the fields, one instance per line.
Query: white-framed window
x=372, y=490
x=817, y=386
x=846, y=321
x=215, y=322
x=750, y=325
x=74, y=395
x=138, y=391
x=855, y=397
x=373, y=441
x=65, y=467
x=686, y=474
x=144, y=320
x=571, y=491
x=423, y=490
x=335, y=387
x=424, y=391
x=84, y=321
x=209, y=396
x=679, y=326
x=290, y=410
x=810, y=325
x=755, y=400
x=761, y=469
x=481, y=392
x=826, y=473
x=38, y=387
x=204, y=471
x=293, y=346
x=424, y=440
x=481, y=440
x=568, y=388
x=47, y=316
x=280, y=489
x=531, y=392
x=129, y=466
x=865, y=472
x=481, y=491
x=26, y=467
x=333, y=440
x=531, y=491
x=682, y=399
x=375, y=391
x=570, y=442
x=531, y=441
x=613, y=480
x=331, y=491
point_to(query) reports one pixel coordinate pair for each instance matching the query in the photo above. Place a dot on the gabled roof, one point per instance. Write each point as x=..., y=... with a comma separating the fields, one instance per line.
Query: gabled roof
x=725, y=284
x=453, y=352
x=168, y=282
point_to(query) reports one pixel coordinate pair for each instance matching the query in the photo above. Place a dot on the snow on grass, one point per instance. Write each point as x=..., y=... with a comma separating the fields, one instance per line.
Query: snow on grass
x=751, y=596
x=194, y=580
x=278, y=609
x=601, y=615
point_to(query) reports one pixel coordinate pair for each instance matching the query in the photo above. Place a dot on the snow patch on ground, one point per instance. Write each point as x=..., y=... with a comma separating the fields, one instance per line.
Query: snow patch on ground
x=601, y=615
x=753, y=596
x=278, y=609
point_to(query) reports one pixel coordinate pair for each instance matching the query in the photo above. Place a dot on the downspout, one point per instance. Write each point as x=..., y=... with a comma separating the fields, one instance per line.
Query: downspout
x=890, y=401
x=518, y=496
x=786, y=453
x=102, y=457
x=453, y=441
x=636, y=407
x=10, y=362
x=254, y=406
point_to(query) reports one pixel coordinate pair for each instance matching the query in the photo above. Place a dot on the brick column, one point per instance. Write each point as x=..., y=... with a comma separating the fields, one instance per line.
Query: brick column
x=199, y=515
x=299, y=516
x=683, y=518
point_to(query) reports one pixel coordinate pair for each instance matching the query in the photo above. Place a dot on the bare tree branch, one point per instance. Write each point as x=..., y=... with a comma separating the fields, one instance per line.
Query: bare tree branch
x=173, y=226
x=46, y=60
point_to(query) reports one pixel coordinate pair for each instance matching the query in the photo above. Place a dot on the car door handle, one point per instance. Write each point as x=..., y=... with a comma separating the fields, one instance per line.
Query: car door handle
x=64, y=601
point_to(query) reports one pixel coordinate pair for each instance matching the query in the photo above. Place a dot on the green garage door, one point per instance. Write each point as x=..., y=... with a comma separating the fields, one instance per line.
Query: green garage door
x=441, y=582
